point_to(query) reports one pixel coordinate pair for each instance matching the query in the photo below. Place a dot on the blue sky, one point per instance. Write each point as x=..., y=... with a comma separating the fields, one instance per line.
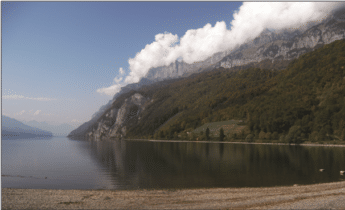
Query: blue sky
x=56, y=55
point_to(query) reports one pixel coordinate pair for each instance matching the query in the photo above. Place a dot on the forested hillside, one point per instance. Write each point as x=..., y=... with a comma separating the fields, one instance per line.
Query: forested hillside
x=304, y=101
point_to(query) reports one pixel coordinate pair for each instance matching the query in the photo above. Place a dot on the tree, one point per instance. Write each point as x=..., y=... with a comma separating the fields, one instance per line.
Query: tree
x=268, y=136
x=313, y=137
x=249, y=138
x=294, y=135
x=275, y=135
x=262, y=135
x=221, y=134
x=343, y=134
x=207, y=133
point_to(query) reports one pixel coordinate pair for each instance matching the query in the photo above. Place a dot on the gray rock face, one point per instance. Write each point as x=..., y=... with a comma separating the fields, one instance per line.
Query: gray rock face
x=180, y=68
x=286, y=45
x=115, y=121
x=87, y=127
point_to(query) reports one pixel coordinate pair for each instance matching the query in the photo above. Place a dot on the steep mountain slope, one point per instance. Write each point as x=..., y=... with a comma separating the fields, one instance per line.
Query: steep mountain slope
x=11, y=128
x=304, y=101
x=87, y=126
x=125, y=104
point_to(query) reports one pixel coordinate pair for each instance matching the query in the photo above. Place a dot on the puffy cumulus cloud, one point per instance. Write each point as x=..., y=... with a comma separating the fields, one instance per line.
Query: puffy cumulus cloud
x=110, y=91
x=162, y=47
x=198, y=44
x=195, y=45
x=253, y=17
x=37, y=112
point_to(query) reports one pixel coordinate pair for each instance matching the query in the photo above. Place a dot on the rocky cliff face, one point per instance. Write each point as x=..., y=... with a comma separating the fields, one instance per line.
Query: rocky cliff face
x=286, y=45
x=180, y=68
x=116, y=120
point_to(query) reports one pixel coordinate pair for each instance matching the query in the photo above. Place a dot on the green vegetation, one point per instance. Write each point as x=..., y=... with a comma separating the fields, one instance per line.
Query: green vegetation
x=304, y=102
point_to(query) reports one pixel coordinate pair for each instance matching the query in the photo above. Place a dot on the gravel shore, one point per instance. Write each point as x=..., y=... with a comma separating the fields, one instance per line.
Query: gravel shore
x=323, y=196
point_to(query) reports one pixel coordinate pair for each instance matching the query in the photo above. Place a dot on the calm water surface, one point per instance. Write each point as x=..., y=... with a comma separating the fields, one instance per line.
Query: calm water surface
x=61, y=163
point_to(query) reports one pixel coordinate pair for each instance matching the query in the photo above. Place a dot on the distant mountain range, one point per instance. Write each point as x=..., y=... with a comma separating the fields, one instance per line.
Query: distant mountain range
x=11, y=128
x=57, y=130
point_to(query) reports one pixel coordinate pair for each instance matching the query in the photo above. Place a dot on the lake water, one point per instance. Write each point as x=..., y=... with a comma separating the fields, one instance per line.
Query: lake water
x=61, y=163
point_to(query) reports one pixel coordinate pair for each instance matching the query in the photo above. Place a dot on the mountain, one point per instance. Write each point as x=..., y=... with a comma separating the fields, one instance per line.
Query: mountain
x=11, y=128
x=303, y=101
x=271, y=50
x=57, y=130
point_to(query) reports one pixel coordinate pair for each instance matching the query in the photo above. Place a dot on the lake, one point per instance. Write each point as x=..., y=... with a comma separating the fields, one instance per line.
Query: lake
x=62, y=163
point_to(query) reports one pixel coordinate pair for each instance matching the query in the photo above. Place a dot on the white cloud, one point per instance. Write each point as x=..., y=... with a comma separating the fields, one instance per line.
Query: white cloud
x=117, y=80
x=110, y=91
x=150, y=56
x=17, y=97
x=37, y=112
x=198, y=44
x=121, y=71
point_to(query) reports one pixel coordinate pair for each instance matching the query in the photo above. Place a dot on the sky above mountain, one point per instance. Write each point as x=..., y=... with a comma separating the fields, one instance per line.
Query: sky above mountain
x=62, y=60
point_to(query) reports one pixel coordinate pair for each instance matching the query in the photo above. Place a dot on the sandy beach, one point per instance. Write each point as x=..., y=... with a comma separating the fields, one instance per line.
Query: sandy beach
x=317, y=196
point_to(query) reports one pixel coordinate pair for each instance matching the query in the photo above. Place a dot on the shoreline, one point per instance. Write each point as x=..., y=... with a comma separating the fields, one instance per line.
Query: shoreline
x=324, y=195
x=239, y=142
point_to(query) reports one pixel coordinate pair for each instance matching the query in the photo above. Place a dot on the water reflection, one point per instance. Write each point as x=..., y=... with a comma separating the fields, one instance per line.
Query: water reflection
x=137, y=164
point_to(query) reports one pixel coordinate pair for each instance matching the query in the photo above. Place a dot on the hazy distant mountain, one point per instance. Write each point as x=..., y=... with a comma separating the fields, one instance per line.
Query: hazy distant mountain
x=11, y=128
x=57, y=130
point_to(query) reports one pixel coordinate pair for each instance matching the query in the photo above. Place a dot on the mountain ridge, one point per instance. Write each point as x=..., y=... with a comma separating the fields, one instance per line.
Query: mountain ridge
x=12, y=128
